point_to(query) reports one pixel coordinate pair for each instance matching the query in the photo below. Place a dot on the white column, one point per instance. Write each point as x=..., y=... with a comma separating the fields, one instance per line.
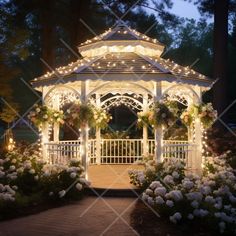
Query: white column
x=158, y=131
x=84, y=131
x=197, y=162
x=44, y=141
x=145, y=126
x=98, y=134
x=44, y=133
x=56, y=126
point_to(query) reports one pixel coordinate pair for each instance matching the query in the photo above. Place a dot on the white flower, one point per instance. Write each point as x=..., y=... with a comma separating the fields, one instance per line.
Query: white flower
x=150, y=201
x=194, y=196
x=2, y=174
x=175, y=195
x=144, y=197
x=232, y=198
x=149, y=191
x=176, y=217
x=62, y=193
x=218, y=205
x=32, y=171
x=12, y=168
x=194, y=204
x=159, y=200
x=72, y=175
x=190, y=216
x=175, y=175
x=209, y=199
x=51, y=194
x=168, y=179
x=187, y=184
x=160, y=191
x=206, y=190
x=79, y=186
x=169, y=203
x=155, y=184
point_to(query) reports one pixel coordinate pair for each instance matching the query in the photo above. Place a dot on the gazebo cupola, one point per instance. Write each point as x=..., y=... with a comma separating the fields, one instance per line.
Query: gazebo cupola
x=122, y=66
x=121, y=39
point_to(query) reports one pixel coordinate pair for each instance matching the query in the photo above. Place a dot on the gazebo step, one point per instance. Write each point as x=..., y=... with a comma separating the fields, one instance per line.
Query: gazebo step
x=103, y=192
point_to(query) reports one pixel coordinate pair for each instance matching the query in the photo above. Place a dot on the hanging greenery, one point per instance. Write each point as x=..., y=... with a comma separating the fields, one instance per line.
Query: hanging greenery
x=204, y=112
x=207, y=115
x=101, y=118
x=162, y=115
x=78, y=115
x=144, y=118
x=42, y=114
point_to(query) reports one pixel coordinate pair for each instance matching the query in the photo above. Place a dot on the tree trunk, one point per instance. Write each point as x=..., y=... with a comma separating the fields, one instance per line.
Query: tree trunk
x=47, y=34
x=220, y=65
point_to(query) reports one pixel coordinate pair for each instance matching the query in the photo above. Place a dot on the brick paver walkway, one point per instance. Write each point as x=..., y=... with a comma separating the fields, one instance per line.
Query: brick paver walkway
x=82, y=218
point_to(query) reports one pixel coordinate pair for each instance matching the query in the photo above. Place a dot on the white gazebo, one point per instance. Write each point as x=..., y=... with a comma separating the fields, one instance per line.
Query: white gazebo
x=121, y=66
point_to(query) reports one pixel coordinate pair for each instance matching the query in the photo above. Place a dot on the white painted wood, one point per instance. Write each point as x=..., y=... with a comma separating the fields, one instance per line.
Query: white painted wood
x=158, y=131
x=84, y=129
x=98, y=134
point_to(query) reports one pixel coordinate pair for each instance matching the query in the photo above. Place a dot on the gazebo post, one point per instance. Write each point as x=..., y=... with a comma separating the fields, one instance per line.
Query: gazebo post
x=56, y=125
x=145, y=126
x=158, y=130
x=197, y=162
x=98, y=134
x=44, y=141
x=84, y=131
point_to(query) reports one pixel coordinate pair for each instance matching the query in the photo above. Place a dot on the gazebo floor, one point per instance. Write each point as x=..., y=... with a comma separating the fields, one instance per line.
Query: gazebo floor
x=111, y=176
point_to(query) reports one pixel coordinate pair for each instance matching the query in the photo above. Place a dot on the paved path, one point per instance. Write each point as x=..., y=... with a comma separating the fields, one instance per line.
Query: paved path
x=91, y=216
x=111, y=176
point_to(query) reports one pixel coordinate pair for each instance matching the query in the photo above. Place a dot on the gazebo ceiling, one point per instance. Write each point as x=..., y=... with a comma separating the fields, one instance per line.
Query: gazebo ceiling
x=123, y=54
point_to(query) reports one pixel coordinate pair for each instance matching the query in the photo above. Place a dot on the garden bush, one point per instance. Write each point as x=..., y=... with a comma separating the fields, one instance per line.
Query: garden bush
x=25, y=179
x=209, y=199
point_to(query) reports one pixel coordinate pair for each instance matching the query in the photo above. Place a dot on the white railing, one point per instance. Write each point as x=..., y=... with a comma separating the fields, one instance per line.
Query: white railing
x=121, y=151
x=92, y=151
x=118, y=151
x=151, y=144
x=62, y=151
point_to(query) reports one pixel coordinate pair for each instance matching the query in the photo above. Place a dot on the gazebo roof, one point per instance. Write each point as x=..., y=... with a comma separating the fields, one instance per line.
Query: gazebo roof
x=121, y=32
x=123, y=54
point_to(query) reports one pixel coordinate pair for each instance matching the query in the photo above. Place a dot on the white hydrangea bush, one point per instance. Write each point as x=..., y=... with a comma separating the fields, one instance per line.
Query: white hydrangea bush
x=23, y=174
x=168, y=169
x=210, y=198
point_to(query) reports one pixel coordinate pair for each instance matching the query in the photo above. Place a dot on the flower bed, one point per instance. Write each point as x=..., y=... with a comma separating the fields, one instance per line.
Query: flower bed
x=26, y=180
x=183, y=198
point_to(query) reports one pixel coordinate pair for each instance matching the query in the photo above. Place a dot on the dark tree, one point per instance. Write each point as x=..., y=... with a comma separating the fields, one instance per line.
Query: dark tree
x=47, y=9
x=220, y=61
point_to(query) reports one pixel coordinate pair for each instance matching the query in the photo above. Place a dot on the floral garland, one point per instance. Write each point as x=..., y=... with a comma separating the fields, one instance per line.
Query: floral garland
x=101, y=118
x=207, y=115
x=187, y=118
x=43, y=114
x=78, y=115
x=162, y=115
x=57, y=116
x=204, y=112
x=144, y=118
